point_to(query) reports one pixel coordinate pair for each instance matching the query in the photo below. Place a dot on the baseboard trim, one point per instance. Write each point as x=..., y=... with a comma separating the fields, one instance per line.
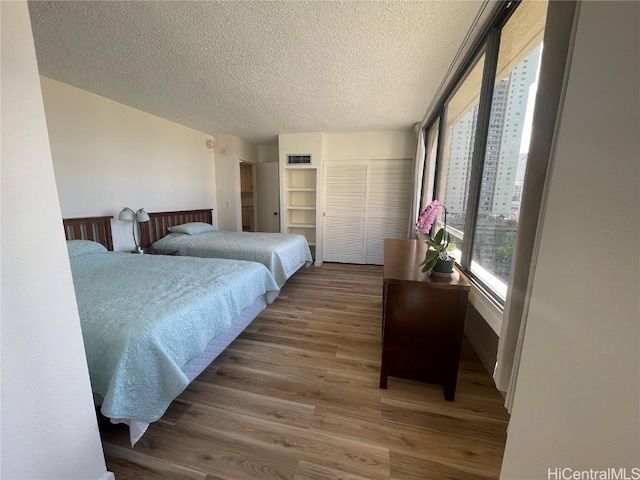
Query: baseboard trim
x=107, y=476
x=488, y=363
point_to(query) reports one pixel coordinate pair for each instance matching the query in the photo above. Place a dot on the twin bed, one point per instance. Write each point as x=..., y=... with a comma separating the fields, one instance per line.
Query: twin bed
x=152, y=323
x=190, y=232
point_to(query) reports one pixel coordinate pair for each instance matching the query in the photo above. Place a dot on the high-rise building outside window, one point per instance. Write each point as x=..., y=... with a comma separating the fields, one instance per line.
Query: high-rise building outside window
x=482, y=190
x=504, y=166
x=455, y=166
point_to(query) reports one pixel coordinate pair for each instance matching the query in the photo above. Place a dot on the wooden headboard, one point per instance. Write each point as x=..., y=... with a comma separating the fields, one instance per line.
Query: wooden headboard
x=97, y=229
x=156, y=228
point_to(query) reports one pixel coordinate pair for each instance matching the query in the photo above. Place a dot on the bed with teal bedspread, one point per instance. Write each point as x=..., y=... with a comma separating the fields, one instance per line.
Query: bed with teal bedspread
x=143, y=317
x=281, y=253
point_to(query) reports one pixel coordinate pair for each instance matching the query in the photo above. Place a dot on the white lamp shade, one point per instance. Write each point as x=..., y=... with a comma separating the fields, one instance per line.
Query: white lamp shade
x=142, y=216
x=126, y=214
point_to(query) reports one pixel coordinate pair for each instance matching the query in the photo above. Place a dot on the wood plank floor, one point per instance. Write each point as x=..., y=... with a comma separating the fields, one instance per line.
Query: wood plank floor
x=296, y=397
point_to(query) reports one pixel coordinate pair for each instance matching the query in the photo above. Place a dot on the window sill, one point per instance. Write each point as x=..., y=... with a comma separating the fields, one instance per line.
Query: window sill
x=485, y=306
x=491, y=313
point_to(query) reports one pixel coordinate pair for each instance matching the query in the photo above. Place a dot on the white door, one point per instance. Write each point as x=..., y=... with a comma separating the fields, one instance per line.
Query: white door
x=345, y=198
x=388, y=205
x=365, y=201
x=268, y=201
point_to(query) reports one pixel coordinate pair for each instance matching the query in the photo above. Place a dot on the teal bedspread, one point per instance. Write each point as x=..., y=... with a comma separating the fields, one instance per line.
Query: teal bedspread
x=143, y=317
x=281, y=253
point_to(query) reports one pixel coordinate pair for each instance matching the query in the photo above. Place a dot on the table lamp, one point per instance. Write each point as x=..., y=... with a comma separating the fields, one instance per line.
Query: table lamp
x=128, y=215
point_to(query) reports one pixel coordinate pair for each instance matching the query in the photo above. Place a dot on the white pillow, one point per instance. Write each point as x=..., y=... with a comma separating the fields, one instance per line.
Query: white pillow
x=192, y=228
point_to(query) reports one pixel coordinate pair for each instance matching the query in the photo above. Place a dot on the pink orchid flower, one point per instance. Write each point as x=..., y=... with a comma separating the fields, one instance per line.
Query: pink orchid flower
x=427, y=217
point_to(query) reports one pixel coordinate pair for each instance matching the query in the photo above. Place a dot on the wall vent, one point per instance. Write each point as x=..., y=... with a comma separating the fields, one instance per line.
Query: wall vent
x=298, y=159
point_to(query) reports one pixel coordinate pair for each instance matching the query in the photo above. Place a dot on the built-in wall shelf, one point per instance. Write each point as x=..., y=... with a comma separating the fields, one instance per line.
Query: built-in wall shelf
x=300, y=203
x=301, y=225
x=301, y=188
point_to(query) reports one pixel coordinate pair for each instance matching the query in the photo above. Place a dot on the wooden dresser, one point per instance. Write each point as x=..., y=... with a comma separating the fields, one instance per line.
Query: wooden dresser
x=422, y=318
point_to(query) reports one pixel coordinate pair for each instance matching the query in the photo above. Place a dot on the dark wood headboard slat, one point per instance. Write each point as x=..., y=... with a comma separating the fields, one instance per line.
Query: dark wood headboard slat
x=90, y=234
x=77, y=231
x=104, y=230
x=97, y=229
x=159, y=222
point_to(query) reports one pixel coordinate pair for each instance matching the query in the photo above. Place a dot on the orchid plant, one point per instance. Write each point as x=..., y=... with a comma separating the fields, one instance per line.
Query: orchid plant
x=440, y=246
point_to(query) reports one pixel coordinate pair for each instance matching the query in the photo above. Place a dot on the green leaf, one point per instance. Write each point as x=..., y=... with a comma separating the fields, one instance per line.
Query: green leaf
x=439, y=235
x=431, y=254
x=431, y=243
x=451, y=247
x=429, y=265
x=430, y=260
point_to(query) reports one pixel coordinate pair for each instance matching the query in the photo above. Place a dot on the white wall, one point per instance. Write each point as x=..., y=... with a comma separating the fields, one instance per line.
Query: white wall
x=229, y=151
x=227, y=184
x=49, y=428
x=300, y=143
x=577, y=400
x=268, y=153
x=346, y=146
x=368, y=145
x=107, y=155
x=245, y=151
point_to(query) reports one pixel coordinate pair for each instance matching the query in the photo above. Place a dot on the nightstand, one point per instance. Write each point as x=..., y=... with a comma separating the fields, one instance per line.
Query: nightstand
x=156, y=251
x=422, y=318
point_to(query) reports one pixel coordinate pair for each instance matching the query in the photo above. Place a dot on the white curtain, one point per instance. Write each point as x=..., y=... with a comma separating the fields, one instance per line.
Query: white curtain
x=525, y=254
x=430, y=159
x=514, y=320
x=522, y=268
x=418, y=169
x=553, y=72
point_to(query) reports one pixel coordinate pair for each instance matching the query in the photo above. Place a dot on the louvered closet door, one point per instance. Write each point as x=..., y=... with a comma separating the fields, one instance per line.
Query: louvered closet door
x=389, y=205
x=345, y=193
x=366, y=201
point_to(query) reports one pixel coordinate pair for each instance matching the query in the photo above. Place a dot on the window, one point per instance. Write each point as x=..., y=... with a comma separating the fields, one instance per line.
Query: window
x=481, y=169
x=452, y=189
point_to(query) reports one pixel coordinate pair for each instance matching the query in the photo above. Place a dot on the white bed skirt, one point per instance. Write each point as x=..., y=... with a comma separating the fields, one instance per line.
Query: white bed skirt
x=295, y=268
x=196, y=366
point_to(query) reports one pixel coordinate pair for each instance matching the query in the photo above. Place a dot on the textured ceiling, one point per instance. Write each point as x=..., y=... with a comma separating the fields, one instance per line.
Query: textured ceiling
x=256, y=69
